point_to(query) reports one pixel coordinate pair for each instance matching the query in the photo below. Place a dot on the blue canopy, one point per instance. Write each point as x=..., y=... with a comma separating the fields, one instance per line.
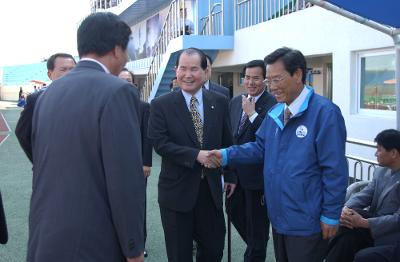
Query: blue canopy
x=385, y=12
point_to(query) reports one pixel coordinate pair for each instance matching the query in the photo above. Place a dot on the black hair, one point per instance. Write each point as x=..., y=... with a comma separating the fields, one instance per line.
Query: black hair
x=191, y=51
x=209, y=59
x=52, y=59
x=99, y=33
x=256, y=63
x=292, y=60
x=389, y=139
x=132, y=75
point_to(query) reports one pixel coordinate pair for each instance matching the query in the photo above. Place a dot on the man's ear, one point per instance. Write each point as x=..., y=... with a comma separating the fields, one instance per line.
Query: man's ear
x=298, y=74
x=49, y=74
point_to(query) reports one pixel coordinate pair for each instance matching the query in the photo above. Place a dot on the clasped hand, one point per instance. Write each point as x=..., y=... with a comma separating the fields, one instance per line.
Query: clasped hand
x=210, y=159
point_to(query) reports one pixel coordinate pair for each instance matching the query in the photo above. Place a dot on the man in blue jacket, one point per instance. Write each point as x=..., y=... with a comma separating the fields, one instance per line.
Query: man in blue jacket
x=302, y=145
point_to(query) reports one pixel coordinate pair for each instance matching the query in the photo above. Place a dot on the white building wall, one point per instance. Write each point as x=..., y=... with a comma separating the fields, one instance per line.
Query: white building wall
x=318, y=32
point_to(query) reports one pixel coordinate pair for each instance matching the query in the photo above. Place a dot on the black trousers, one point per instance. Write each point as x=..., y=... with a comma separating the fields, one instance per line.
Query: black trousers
x=298, y=248
x=205, y=224
x=347, y=243
x=389, y=253
x=249, y=216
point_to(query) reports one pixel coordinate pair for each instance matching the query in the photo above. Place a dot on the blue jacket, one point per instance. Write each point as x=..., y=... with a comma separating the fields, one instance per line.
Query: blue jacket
x=305, y=168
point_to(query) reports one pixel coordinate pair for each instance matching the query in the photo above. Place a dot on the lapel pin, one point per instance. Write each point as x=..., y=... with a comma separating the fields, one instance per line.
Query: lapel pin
x=212, y=107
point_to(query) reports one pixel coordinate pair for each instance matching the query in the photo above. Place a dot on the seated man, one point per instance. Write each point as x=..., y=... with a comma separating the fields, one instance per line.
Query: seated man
x=361, y=228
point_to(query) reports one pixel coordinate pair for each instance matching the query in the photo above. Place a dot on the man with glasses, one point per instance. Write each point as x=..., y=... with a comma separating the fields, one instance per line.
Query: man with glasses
x=247, y=205
x=302, y=145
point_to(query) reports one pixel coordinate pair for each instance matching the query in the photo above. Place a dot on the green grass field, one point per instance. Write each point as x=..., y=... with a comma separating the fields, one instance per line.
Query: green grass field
x=15, y=186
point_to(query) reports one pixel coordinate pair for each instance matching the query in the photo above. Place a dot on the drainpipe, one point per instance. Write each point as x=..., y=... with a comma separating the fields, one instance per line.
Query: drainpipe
x=393, y=32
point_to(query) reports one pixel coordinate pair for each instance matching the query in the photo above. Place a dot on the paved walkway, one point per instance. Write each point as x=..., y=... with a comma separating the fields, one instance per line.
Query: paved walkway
x=15, y=186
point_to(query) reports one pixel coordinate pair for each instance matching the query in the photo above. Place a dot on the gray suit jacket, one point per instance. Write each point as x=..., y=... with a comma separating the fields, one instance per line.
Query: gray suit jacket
x=88, y=186
x=219, y=89
x=382, y=195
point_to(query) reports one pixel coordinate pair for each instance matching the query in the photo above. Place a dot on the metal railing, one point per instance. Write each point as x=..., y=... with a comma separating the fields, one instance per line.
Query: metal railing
x=213, y=23
x=96, y=5
x=175, y=25
x=252, y=12
x=360, y=164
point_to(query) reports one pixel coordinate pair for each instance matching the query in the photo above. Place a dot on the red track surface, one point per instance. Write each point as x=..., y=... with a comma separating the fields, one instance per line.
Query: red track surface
x=3, y=124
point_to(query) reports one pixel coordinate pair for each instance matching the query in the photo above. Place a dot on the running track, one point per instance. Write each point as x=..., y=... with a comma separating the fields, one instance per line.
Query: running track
x=4, y=129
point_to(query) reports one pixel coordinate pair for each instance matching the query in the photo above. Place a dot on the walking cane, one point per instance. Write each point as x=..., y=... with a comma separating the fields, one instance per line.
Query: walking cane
x=229, y=231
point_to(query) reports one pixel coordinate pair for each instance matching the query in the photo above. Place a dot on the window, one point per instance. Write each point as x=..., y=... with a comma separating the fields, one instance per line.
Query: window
x=377, y=81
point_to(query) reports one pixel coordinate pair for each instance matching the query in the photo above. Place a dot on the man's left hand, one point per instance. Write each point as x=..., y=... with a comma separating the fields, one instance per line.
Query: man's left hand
x=229, y=188
x=146, y=171
x=248, y=105
x=328, y=231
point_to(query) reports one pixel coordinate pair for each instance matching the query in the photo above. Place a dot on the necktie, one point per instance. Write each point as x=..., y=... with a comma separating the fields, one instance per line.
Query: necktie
x=242, y=121
x=197, y=122
x=286, y=116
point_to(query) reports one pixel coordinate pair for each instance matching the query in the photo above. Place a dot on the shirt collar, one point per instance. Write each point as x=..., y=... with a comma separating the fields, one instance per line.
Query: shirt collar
x=94, y=60
x=294, y=107
x=257, y=97
x=207, y=84
x=198, y=95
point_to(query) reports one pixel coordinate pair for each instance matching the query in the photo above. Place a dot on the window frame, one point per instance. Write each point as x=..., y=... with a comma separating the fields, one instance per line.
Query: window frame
x=363, y=111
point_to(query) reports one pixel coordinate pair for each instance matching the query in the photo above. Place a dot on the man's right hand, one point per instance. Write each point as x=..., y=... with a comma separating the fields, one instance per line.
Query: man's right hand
x=136, y=259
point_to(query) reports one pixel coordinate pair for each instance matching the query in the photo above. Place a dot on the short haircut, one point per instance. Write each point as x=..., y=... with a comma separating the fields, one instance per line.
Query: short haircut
x=292, y=60
x=209, y=59
x=389, y=139
x=192, y=51
x=132, y=75
x=99, y=33
x=52, y=59
x=256, y=63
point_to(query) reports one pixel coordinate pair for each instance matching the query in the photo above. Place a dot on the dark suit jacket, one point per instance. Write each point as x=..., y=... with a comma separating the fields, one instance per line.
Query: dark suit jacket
x=382, y=196
x=3, y=224
x=219, y=89
x=23, y=129
x=250, y=176
x=174, y=138
x=88, y=186
x=147, y=147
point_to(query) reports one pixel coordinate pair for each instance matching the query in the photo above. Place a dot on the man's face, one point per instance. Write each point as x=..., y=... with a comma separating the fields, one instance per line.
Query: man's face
x=254, y=81
x=385, y=157
x=124, y=75
x=283, y=86
x=190, y=76
x=62, y=65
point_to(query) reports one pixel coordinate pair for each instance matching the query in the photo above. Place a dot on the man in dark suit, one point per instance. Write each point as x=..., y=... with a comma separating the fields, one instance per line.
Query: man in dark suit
x=183, y=124
x=147, y=147
x=212, y=86
x=88, y=185
x=247, y=205
x=57, y=65
x=379, y=225
x=3, y=224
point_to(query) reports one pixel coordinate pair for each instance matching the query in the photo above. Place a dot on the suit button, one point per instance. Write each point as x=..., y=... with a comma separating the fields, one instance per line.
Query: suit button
x=131, y=244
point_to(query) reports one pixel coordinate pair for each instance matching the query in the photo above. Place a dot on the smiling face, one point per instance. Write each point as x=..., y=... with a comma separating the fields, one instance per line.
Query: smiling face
x=190, y=76
x=254, y=81
x=283, y=86
x=62, y=65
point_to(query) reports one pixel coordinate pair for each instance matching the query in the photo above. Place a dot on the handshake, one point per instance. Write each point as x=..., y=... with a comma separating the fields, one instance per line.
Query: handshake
x=210, y=159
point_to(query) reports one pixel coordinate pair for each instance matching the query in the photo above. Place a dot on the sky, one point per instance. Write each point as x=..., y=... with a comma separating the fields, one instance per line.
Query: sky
x=31, y=30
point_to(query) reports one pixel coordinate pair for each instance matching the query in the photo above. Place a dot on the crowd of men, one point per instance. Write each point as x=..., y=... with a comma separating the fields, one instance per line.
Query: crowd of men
x=279, y=154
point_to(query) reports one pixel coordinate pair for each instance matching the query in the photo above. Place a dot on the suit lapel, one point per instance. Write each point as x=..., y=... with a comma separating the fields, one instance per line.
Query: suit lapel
x=209, y=107
x=183, y=114
x=237, y=112
x=392, y=180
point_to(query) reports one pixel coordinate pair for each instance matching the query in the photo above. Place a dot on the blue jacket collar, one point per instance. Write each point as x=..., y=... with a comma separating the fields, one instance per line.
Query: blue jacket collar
x=276, y=112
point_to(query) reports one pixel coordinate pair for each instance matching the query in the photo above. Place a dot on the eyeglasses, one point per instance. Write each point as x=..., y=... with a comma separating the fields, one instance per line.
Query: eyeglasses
x=274, y=81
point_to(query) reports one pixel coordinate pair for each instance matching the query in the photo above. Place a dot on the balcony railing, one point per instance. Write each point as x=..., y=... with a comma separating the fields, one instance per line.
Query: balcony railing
x=103, y=4
x=360, y=168
x=213, y=23
x=252, y=12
